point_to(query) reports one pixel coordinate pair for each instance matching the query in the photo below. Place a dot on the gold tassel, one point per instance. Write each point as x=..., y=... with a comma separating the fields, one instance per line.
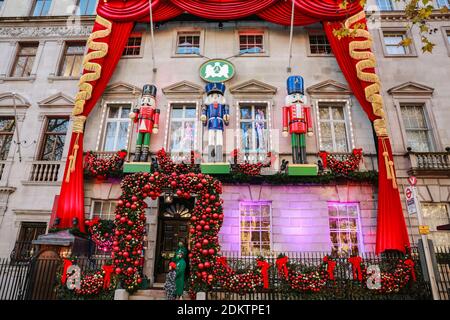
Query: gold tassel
x=386, y=163
x=392, y=171
x=78, y=128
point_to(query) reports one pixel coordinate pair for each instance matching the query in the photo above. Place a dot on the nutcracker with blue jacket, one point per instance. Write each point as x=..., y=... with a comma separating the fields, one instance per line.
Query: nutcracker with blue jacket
x=147, y=119
x=297, y=118
x=215, y=115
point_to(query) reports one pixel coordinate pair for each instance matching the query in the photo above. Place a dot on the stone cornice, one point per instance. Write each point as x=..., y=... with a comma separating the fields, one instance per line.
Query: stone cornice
x=399, y=15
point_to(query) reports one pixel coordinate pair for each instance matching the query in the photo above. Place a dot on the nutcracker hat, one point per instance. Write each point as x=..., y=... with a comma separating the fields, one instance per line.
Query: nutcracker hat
x=215, y=87
x=295, y=85
x=149, y=89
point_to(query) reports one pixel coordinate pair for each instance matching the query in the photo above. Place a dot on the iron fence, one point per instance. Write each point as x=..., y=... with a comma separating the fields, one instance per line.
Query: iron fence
x=343, y=287
x=38, y=278
x=443, y=268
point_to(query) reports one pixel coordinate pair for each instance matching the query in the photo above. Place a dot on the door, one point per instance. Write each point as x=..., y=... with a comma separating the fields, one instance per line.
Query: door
x=172, y=228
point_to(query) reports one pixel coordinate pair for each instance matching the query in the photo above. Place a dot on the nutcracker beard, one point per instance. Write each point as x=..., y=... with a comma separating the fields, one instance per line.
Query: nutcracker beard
x=298, y=148
x=215, y=146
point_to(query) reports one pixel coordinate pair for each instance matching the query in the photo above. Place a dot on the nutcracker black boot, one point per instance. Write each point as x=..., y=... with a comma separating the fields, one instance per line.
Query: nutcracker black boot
x=137, y=154
x=144, y=156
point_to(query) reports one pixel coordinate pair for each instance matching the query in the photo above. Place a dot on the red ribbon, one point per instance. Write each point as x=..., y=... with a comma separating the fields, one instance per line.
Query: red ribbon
x=107, y=278
x=323, y=155
x=282, y=266
x=222, y=261
x=330, y=267
x=67, y=264
x=356, y=267
x=410, y=264
x=264, y=265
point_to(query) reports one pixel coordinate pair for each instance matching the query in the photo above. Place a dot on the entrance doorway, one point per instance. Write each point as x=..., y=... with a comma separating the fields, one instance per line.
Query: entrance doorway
x=173, y=227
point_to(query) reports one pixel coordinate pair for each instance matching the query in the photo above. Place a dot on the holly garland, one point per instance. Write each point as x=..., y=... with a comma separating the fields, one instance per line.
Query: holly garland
x=250, y=169
x=343, y=167
x=102, y=168
x=101, y=232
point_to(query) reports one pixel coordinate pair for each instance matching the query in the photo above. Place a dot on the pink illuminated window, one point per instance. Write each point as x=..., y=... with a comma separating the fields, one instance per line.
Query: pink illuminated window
x=255, y=226
x=345, y=228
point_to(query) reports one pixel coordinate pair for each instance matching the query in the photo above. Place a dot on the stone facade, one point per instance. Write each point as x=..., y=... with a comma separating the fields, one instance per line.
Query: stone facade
x=298, y=212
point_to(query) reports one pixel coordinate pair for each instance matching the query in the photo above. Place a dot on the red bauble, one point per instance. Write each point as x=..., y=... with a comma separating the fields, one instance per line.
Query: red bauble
x=118, y=216
x=134, y=198
x=128, y=205
x=133, y=207
x=205, y=252
x=202, y=222
x=211, y=251
x=130, y=223
x=192, y=231
x=198, y=228
x=198, y=245
x=206, y=227
x=207, y=264
x=130, y=270
x=205, y=242
x=208, y=210
x=129, y=237
x=118, y=270
x=215, y=216
x=201, y=266
x=173, y=184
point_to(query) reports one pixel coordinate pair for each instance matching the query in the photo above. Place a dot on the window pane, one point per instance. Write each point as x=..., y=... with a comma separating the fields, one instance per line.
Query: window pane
x=125, y=112
x=122, y=138
x=255, y=228
x=190, y=113
x=110, y=136
x=188, y=44
x=340, y=134
x=344, y=230
x=417, y=132
x=57, y=125
x=338, y=113
x=177, y=113
x=326, y=140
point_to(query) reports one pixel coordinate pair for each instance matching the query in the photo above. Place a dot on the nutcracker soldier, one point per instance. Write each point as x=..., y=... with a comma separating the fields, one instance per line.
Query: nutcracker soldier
x=297, y=117
x=147, y=118
x=215, y=115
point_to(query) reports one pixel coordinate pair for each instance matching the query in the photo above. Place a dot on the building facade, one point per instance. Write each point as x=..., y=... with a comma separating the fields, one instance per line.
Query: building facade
x=42, y=44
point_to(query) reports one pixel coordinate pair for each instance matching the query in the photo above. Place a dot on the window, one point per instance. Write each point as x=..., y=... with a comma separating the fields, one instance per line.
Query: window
x=255, y=224
x=71, y=65
x=393, y=43
x=418, y=134
x=385, y=5
x=133, y=46
x=1, y=4
x=117, y=126
x=319, y=45
x=442, y=3
x=333, y=128
x=345, y=232
x=251, y=42
x=183, y=128
x=41, y=8
x=54, y=138
x=448, y=36
x=103, y=209
x=7, y=126
x=436, y=214
x=188, y=43
x=87, y=7
x=29, y=231
x=253, y=124
x=24, y=62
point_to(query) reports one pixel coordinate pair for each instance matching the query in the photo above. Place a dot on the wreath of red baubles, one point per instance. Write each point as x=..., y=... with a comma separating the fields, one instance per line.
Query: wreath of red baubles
x=342, y=167
x=104, y=167
x=101, y=232
x=247, y=168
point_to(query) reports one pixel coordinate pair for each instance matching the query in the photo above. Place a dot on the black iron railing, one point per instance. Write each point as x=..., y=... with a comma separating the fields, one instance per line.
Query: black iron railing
x=343, y=287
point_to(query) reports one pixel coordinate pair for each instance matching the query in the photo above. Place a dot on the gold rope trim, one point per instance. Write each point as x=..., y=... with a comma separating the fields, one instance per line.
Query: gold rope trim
x=360, y=50
x=98, y=50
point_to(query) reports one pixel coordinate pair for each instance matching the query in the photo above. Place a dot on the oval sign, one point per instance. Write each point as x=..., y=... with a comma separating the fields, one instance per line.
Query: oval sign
x=217, y=70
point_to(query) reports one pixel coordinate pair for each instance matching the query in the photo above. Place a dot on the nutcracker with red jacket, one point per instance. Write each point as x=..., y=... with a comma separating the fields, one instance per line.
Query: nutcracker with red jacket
x=297, y=118
x=147, y=119
x=215, y=115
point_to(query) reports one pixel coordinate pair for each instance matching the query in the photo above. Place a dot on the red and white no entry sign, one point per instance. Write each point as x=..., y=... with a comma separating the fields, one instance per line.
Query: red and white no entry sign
x=412, y=180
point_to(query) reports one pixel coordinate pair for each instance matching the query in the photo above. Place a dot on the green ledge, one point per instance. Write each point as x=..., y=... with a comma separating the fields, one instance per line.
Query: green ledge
x=302, y=170
x=215, y=168
x=133, y=167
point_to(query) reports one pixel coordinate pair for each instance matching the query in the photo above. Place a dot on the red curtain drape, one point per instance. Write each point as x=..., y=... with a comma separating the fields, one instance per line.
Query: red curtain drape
x=71, y=199
x=280, y=13
x=391, y=228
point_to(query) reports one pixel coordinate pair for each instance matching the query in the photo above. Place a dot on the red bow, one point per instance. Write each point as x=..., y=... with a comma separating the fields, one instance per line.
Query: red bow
x=222, y=261
x=330, y=267
x=357, y=152
x=264, y=265
x=107, y=279
x=323, y=155
x=67, y=264
x=356, y=267
x=410, y=264
x=281, y=265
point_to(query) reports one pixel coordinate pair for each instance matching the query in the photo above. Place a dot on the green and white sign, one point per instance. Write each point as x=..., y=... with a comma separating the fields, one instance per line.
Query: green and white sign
x=217, y=70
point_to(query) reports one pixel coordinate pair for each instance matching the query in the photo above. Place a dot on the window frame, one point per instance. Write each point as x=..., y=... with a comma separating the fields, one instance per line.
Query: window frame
x=431, y=140
x=66, y=45
x=33, y=7
x=116, y=120
x=178, y=31
x=269, y=120
x=19, y=46
x=78, y=12
x=359, y=229
x=12, y=133
x=446, y=35
x=141, y=47
x=265, y=202
x=264, y=32
x=411, y=51
x=446, y=5
x=198, y=124
x=391, y=4
x=45, y=134
x=103, y=201
x=316, y=32
x=101, y=137
x=346, y=105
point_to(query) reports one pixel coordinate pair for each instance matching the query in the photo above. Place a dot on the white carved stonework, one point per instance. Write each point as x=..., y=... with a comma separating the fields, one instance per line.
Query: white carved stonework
x=45, y=32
